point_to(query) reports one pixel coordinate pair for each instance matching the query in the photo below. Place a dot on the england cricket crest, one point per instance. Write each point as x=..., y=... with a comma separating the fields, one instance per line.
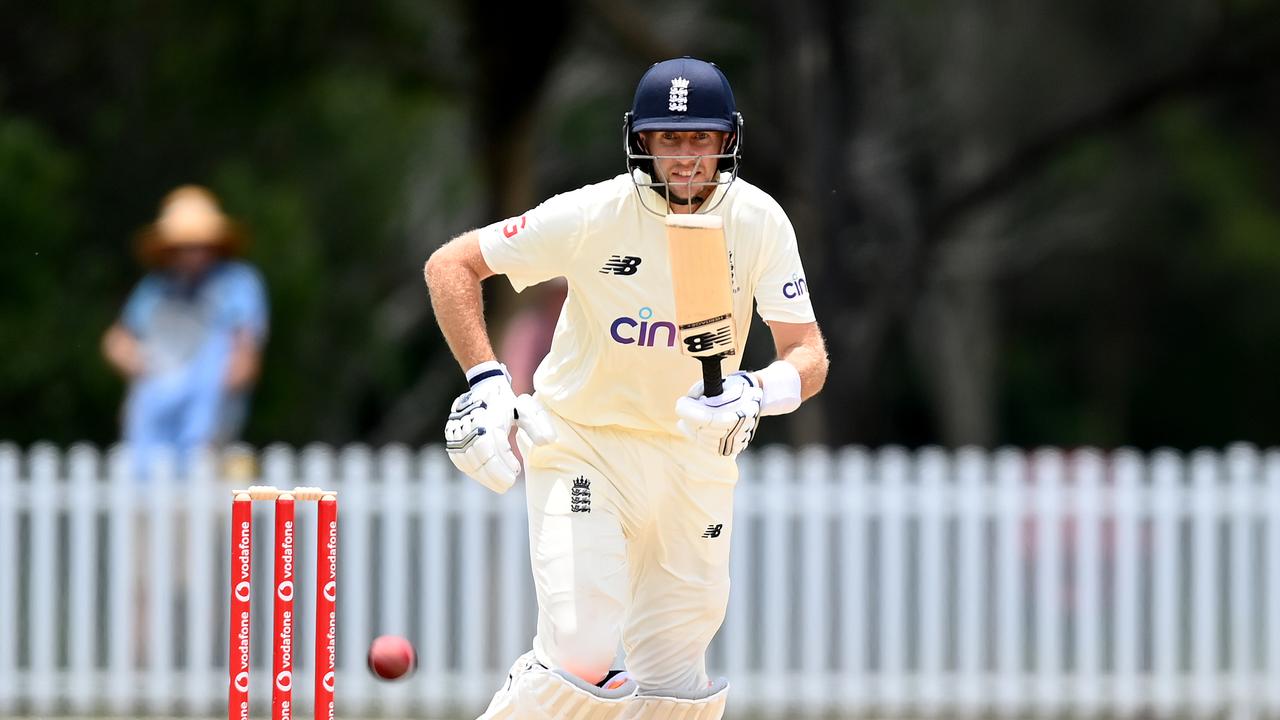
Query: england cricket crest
x=580, y=496
x=678, y=100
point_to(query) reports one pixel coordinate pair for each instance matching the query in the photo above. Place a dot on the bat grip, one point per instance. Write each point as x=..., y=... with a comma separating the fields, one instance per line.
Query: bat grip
x=712, y=380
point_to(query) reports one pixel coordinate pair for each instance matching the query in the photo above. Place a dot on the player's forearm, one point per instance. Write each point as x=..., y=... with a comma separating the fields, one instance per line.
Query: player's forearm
x=807, y=352
x=811, y=363
x=457, y=302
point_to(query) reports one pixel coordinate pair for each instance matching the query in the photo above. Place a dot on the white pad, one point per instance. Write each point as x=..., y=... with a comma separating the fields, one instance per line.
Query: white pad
x=679, y=705
x=534, y=692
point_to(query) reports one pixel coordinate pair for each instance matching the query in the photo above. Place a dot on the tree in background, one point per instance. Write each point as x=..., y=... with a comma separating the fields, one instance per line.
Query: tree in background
x=1025, y=222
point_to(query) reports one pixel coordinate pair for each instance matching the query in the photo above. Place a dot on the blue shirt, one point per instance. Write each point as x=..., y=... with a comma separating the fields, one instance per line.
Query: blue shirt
x=186, y=332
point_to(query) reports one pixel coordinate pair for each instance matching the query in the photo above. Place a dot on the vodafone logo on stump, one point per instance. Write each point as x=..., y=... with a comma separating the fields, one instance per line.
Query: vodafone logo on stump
x=286, y=557
x=285, y=594
x=285, y=653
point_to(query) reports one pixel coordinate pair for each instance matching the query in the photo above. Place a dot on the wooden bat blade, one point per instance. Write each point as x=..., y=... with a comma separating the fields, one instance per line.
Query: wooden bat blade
x=700, y=280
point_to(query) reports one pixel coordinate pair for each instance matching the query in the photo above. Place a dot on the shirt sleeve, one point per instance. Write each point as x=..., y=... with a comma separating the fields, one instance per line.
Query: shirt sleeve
x=536, y=246
x=782, y=293
x=245, y=301
x=137, y=310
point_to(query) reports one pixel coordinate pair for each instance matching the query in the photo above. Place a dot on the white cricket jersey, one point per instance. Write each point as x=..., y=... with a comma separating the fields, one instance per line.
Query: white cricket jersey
x=614, y=358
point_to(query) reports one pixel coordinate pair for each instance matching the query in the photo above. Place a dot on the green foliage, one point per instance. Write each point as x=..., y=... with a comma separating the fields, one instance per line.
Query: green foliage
x=1158, y=330
x=1134, y=278
x=310, y=148
x=48, y=383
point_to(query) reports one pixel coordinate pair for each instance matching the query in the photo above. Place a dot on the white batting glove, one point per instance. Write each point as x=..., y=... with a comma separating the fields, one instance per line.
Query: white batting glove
x=480, y=421
x=723, y=424
x=532, y=420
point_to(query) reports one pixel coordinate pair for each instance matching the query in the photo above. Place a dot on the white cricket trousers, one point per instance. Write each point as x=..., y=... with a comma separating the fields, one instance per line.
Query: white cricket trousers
x=629, y=540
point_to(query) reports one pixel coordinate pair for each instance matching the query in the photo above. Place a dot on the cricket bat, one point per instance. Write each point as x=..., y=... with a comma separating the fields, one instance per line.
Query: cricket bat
x=704, y=301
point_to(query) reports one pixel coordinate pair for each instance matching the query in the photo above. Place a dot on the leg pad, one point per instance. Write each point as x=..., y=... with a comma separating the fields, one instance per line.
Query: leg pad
x=535, y=692
x=705, y=704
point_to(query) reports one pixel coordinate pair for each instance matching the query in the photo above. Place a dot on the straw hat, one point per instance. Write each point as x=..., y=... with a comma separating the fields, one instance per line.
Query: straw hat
x=189, y=217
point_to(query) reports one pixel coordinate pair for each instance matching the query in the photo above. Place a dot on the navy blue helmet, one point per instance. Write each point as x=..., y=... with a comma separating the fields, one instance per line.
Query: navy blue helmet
x=682, y=94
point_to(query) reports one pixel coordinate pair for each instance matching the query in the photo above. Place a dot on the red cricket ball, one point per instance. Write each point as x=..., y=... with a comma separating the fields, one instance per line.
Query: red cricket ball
x=391, y=657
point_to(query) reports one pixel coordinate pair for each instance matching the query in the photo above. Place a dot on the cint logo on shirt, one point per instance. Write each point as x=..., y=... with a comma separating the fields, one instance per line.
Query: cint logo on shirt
x=621, y=265
x=643, y=330
x=794, y=289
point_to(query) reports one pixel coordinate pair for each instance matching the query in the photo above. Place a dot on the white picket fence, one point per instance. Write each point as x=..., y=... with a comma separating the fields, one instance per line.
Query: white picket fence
x=882, y=581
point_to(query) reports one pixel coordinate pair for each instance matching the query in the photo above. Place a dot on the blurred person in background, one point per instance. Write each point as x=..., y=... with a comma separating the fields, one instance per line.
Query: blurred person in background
x=189, y=339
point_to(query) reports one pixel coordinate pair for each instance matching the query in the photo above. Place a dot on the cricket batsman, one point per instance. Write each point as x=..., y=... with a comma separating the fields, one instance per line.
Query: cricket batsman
x=629, y=467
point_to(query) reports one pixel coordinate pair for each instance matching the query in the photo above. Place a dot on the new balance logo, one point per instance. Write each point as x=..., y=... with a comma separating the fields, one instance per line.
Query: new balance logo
x=621, y=265
x=580, y=496
x=705, y=341
x=713, y=531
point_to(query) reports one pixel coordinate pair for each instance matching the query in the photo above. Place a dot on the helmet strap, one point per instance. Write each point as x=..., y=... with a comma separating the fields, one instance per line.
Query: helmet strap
x=695, y=200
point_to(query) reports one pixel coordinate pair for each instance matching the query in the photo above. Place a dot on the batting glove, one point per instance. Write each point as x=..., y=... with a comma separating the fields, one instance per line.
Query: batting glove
x=480, y=421
x=723, y=424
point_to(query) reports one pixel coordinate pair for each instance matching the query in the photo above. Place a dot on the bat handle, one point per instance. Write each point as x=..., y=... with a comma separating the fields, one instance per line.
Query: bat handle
x=712, y=380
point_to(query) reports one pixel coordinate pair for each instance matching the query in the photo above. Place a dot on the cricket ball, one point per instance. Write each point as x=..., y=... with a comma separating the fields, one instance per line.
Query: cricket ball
x=392, y=657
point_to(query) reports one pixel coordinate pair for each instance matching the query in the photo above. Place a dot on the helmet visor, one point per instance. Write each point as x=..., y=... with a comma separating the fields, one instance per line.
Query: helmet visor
x=679, y=123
